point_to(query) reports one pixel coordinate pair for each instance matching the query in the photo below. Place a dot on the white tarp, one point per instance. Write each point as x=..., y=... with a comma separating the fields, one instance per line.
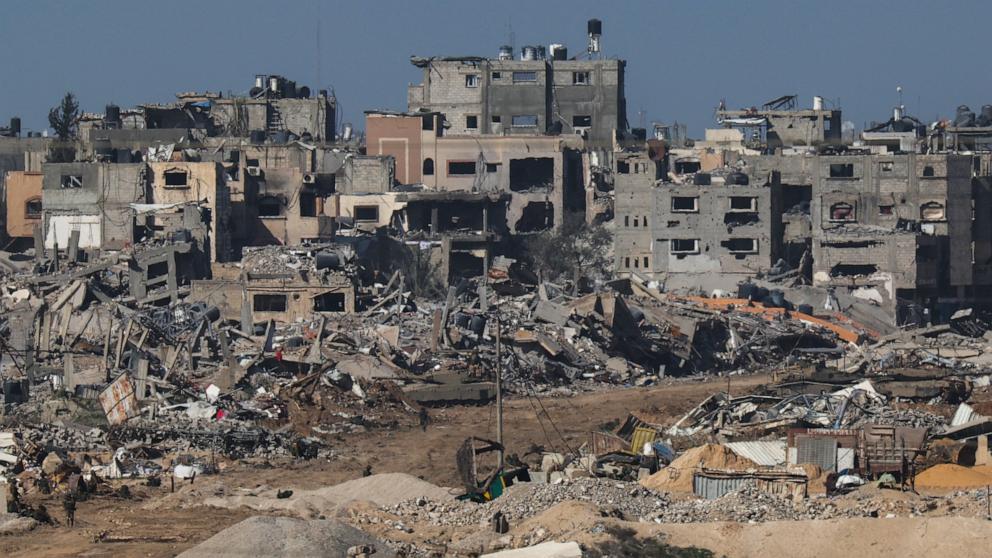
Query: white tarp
x=146, y=208
x=61, y=226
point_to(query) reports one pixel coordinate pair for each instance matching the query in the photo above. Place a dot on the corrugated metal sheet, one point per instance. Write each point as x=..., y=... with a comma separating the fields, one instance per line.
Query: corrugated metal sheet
x=711, y=484
x=766, y=454
x=965, y=414
x=818, y=451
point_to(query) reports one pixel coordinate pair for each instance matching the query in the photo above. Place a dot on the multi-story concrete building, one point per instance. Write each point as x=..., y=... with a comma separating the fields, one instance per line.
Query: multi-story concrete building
x=532, y=95
x=896, y=229
x=728, y=223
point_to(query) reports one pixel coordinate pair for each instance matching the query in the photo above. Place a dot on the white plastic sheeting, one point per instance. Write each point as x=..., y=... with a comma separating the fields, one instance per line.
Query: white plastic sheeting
x=61, y=226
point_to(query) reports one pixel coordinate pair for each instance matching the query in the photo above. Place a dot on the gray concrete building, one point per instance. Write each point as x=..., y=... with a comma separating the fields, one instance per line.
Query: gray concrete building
x=504, y=96
x=897, y=230
x=726, y=224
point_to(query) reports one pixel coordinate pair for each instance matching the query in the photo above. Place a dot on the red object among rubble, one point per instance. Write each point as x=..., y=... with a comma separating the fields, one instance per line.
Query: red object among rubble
x=279, y=354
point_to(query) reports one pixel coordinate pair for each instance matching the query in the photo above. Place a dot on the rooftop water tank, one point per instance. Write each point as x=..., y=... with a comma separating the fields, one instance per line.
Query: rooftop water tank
x=528, y=53
x=505, y=53
x=558, y=52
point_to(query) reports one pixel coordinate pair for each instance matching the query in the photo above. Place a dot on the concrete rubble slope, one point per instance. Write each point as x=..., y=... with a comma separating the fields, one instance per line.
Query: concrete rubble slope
x=282, y=536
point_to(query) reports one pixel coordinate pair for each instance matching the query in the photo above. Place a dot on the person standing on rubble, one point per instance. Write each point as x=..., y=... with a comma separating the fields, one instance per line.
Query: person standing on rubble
x=425, y=418
x=69, y=504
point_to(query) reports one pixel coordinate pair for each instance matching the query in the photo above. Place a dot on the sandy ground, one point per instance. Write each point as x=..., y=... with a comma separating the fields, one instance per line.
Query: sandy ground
x=157, y=523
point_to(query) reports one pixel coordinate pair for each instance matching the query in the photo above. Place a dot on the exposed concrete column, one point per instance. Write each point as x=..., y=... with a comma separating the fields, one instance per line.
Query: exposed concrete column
x=982, y=453
x=434, y=220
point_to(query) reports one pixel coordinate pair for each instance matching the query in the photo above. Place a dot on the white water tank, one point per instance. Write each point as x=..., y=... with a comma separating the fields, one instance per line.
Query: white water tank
x=817, y=102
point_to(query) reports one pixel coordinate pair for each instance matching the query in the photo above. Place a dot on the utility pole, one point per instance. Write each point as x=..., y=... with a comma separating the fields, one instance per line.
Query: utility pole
x=499, y=394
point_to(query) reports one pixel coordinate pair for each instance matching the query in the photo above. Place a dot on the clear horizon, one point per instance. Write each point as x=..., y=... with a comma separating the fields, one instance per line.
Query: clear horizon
x=682, y=58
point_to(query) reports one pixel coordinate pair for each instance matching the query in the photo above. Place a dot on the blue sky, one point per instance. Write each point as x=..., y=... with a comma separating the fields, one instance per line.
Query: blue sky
x=683, y=57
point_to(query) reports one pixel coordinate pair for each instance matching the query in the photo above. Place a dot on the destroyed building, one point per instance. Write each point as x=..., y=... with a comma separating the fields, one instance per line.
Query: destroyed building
x=895, y=229
x=541, y=92
x=543, y=175
x=779, y=123
x=22, y=196
x=724, y=223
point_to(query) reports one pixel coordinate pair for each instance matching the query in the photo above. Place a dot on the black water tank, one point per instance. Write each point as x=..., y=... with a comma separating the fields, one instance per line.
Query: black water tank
x=560, y=53
x=15, y=125
x=640, y=134
x=112, y=114
x=595, y=27
x=985, y=117
x=323, y=92
x=257, y=136
x=736, y=179
x=327, y=260
x=964, y=118
x=303, y=92
x=701, y=179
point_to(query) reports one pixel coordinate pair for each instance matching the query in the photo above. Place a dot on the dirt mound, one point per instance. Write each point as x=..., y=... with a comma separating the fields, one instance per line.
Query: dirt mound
x=384, y=490
x=961, y=537
x=677, y=477
x=948, y=475
x=284, y=536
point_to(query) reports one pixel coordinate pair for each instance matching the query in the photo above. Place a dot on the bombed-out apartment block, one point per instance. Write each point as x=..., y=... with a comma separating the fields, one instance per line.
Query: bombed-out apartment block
x=897, y=229
x=780, y=123
x=541, y=92
x=543, y=175
x=259, y=291
x=710, y=223
x=94, y=199
x=275, y=109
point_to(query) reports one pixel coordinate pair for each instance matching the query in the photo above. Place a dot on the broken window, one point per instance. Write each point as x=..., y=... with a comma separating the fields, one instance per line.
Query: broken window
x=32, y=208
x=269, y=303
x=684, y=246
x=886, y=209
x=524, y=121
x=461, y=168
x=496, y=119
x=932, y=211
x=497, y=75
x=158, y=269
x=472, y=80
x=176, y=179
x=581, y=121
x=308, y=204
x=687, y=167
x=269, y=206
x=533, y=172
x=852, y=270
x=685, y=204
x=71, y=181
x=886, y=166
x=428, y=167
x=623, y=167
x=251, y=163
x=536, y=216
x=842, y=211
x=842, y=170
x=367, y=213
x=928, y=171
x=580, y=78
x=740, y=218
x=492, y=167
x=626, y=262
x=636, y=222
x=741, y=245
x=329, y=302
x=743, y=203
x=472, y=122
x=636, y=263
x=524, y=77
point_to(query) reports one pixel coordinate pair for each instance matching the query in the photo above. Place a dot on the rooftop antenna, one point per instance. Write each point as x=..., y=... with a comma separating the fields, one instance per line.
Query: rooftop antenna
x=899, y=91
x=512, y=36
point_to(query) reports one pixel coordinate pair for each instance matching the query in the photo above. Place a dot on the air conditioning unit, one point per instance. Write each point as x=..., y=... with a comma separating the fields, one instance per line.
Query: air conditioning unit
x=253, y=171
x=309, y=178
